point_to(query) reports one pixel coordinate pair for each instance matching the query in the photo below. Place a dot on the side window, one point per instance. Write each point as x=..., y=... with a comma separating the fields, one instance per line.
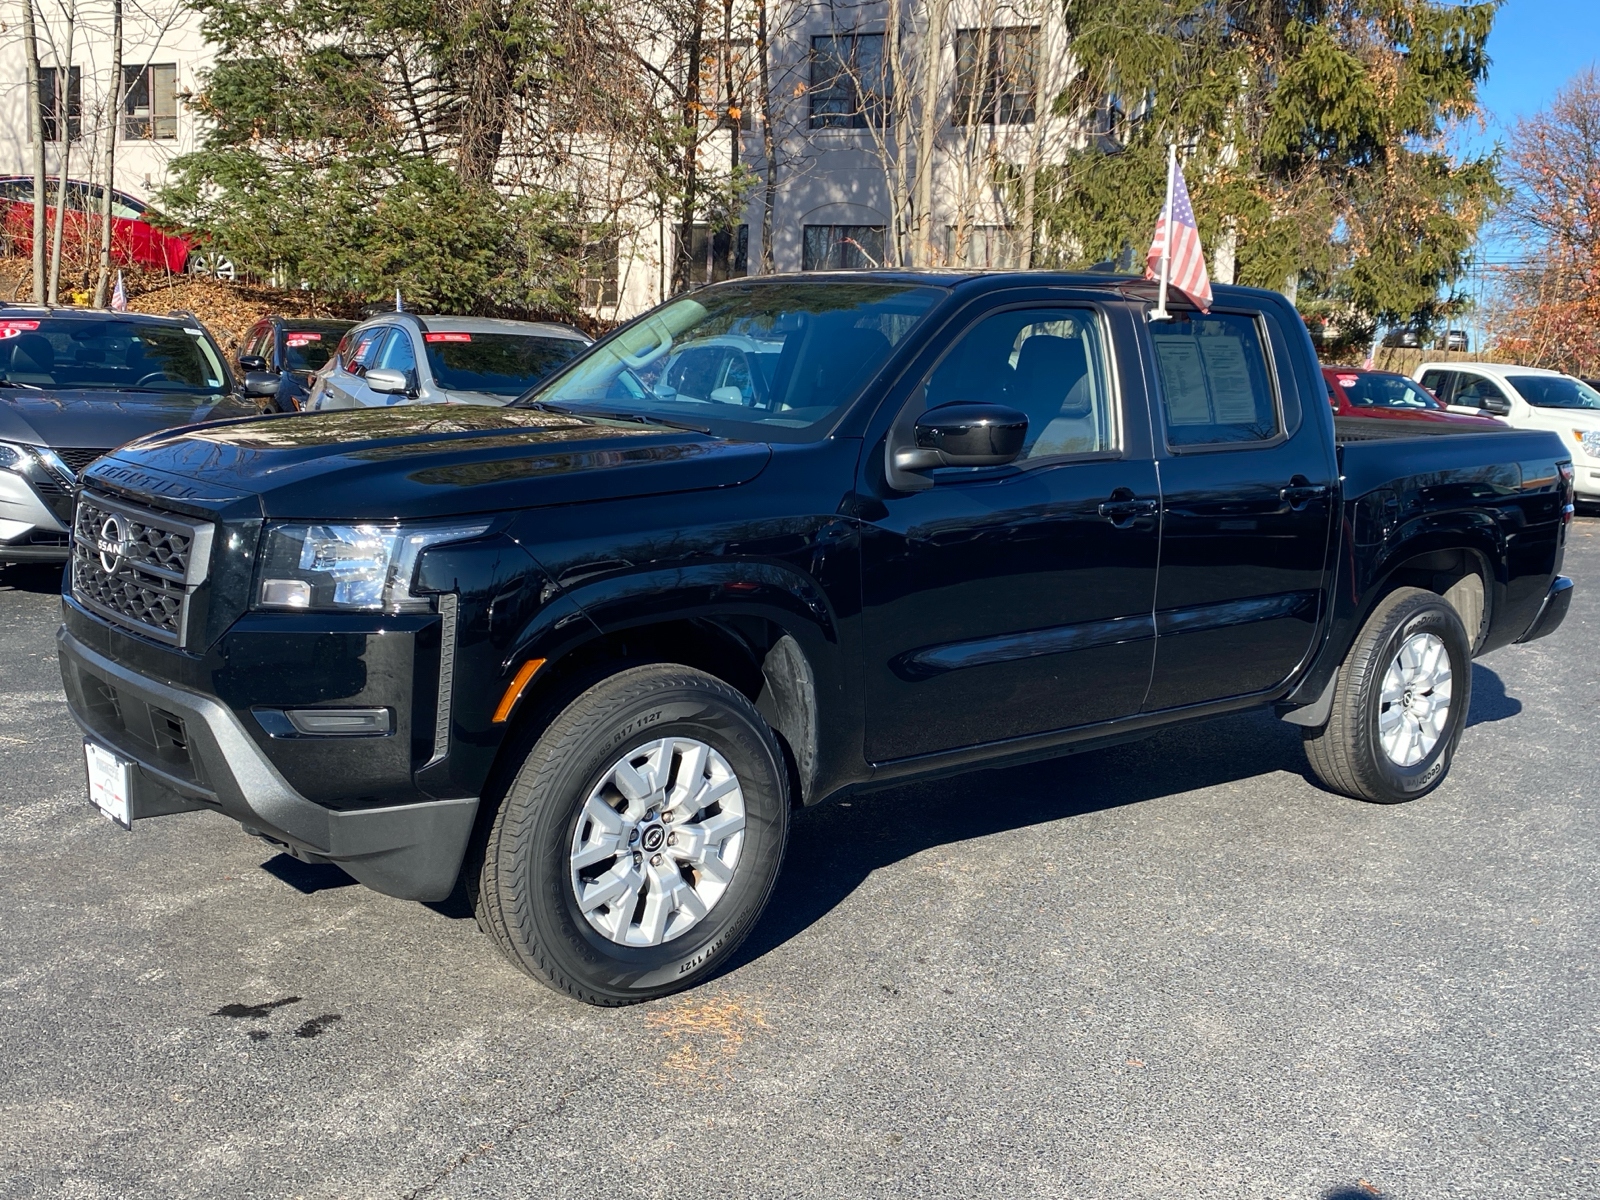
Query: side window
x=1439, y=383
x=398, y=353
x=366, y=350
x=1048, y=362
x=1215, y=383
x=1474, y=391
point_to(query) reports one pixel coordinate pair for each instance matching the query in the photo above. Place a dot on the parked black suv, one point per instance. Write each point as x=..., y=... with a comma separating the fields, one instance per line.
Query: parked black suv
x=585, y=652
x=75, y=383
x=280, y=354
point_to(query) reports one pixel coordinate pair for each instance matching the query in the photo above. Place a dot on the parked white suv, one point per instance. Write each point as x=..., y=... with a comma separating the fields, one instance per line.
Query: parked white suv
x=403, y=358
x=1527, y=398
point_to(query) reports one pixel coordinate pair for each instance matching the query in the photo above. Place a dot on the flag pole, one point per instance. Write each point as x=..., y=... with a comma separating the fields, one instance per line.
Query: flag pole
x=1161, y=313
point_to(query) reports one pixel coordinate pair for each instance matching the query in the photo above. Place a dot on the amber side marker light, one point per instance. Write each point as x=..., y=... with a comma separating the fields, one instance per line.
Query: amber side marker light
x=514, y=691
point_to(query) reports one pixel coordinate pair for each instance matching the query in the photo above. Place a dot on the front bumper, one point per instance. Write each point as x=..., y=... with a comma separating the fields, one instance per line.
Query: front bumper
x=29, y=530
x=191, y=752
x=1552, y=612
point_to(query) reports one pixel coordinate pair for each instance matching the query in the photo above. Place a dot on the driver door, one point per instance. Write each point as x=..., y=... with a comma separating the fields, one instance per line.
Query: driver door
x=1009, y=601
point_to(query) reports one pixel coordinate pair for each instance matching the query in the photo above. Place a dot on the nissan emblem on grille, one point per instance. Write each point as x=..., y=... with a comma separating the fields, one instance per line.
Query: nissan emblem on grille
x=132, y=566
x=113, y=544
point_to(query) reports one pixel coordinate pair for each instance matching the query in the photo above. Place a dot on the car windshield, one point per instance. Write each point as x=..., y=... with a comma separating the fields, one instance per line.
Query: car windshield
x=1385, y=391
x=1555, y=391
x=307, y=347
x=111, y=355
x=501, y=364
x=784, y=356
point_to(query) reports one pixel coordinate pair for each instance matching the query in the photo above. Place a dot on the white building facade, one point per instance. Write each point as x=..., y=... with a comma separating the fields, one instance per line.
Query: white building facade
x=847, y=101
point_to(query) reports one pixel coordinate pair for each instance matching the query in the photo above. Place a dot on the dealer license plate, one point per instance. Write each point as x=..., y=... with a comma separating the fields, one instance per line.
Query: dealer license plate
x=110, y=779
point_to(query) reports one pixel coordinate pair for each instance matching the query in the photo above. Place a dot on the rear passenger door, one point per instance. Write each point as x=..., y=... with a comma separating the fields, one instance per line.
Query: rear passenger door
x=1247, y=474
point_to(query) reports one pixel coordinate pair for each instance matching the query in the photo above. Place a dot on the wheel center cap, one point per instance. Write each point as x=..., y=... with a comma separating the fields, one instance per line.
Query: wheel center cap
x=653, y=839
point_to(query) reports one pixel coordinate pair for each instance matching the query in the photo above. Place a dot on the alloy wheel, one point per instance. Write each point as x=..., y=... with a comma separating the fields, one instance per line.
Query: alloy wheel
x=1414, y=707
x=657, y=842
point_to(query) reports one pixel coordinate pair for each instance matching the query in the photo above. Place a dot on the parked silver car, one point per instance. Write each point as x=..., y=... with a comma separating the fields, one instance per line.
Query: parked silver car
x=403, y=358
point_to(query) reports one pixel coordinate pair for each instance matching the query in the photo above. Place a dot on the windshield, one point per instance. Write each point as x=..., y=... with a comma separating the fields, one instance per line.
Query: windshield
x=119, y=355
x=1555, y=391
x=502, y=364
x=781, y=356
x=1386, y=391
x=306, y=348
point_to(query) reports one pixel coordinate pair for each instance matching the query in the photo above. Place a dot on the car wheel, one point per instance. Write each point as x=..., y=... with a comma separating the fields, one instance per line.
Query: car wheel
x=1400, y=704
x=213, y=265
x=639, y=839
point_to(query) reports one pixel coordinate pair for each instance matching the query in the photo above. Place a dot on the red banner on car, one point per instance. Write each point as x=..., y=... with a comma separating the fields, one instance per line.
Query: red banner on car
x=447, y=337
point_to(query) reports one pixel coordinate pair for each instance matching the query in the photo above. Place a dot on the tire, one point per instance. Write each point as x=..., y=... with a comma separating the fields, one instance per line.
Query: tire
x=1376, y=749
x=541, y=847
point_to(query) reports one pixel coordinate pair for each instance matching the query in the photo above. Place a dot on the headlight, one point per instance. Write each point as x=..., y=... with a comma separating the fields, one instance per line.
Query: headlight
x=14, y=458
x=362, y=567
x=1589, y=439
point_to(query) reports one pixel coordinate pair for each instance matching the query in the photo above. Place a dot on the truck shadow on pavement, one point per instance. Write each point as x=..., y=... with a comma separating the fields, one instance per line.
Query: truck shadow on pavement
x=835, y=846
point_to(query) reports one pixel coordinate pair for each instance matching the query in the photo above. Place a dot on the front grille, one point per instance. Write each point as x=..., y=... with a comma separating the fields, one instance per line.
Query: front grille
x=78, y=459
x=137, y=567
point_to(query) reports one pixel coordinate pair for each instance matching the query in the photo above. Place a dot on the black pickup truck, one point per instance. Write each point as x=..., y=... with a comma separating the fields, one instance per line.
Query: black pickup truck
x=773, y=541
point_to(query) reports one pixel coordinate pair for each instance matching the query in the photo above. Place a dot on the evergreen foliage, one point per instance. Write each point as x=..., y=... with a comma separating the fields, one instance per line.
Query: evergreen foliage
x=1315, y=133
x=352, y=146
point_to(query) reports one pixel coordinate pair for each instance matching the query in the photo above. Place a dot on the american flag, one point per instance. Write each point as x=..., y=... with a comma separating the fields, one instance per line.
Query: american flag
x=1187, y=270
x=119, y=297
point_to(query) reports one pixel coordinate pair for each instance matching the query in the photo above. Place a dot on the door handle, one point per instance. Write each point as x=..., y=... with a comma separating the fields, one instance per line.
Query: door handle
x=1302, y=492
x=1122, y=509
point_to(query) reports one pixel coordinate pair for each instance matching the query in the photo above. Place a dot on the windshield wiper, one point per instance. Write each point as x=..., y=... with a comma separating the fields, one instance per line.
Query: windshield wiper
x=642, y=419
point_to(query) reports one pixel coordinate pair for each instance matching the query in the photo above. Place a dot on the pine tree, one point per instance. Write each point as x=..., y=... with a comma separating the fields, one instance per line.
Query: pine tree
x=1314, y=142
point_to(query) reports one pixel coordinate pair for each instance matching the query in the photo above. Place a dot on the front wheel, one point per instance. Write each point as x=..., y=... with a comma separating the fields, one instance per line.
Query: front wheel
x=1400, y=704
x=639, y=840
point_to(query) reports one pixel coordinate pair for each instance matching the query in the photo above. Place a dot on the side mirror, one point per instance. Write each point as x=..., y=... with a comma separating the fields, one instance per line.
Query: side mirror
x=386, y=381
x=1498, y=405
x=252, y=362
x=261, y=383
x=727, y=395
x=958, y=435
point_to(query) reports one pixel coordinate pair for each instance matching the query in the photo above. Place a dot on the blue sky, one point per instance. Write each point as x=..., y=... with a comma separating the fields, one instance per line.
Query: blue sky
x=1536, y=46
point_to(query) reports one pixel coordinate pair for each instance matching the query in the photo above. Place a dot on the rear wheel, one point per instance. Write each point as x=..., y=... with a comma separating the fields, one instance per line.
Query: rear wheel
x=640, y=838
x=1400, y=704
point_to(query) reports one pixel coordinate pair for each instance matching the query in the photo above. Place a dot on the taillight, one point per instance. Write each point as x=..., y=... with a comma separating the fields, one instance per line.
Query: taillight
x=1568, y=484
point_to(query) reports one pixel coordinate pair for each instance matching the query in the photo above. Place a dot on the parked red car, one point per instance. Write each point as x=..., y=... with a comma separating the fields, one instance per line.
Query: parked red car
x=1354, y=392
x=134, y=241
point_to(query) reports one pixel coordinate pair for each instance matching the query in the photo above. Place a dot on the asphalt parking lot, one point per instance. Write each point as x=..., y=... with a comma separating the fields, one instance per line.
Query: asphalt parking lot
x=1175, y=968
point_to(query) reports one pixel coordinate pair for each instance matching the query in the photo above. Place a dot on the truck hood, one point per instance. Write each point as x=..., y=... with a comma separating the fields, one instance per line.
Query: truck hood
x=418, y=461
x=99, y=420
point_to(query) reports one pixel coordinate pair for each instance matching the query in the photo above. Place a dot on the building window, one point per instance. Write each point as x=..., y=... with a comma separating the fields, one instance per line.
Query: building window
x=597, y=281
x=841, y=247
x=986, y=247
x=849, y=87
x=996, y=74
x=718, y=254
x=733, y=83
x=52, y=103
x=150, y=102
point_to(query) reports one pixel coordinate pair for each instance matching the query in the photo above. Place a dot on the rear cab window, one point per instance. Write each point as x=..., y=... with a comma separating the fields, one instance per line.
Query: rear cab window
x=1216, y=382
